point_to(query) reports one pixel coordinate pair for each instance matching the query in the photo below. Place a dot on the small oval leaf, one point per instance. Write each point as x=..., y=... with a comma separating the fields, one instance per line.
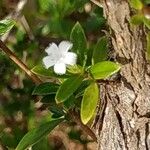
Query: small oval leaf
x=68, y=87
x=78, y=39
x=36, y=134
x=6, y=25
x=100, y=50
x=45, y=89
x=103, y=70
x=89, y=102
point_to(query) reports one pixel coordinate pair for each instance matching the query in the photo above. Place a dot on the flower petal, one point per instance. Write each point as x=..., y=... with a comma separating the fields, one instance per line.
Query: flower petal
x=60, y=68
x=49, y=61
x=64, y=46
x=70, y=58
x=52, y=49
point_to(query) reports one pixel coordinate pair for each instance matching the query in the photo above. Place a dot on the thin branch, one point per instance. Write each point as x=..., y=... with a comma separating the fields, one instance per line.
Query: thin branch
x=17, y=61
x=27, y=27
x=37, y=80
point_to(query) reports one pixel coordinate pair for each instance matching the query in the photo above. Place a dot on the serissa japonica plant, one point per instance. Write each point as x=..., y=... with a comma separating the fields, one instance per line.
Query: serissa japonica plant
x=74, y=73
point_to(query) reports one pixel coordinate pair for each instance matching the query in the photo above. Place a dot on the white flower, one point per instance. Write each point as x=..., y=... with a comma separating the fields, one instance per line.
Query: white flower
x=59, y=57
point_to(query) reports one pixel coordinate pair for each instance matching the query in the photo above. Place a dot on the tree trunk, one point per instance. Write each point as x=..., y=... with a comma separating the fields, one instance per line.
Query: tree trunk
x=123, y=117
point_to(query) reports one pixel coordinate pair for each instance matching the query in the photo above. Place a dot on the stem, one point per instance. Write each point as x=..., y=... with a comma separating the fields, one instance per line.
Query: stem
x=17, y=61
x=37, y=80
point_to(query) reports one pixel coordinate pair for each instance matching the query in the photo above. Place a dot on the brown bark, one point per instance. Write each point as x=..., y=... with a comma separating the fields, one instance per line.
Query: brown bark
x=123, y=117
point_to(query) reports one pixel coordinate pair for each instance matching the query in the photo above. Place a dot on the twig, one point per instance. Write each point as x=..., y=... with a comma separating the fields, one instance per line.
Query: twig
x=37, y=80
x=27, y=27
x=17, y=61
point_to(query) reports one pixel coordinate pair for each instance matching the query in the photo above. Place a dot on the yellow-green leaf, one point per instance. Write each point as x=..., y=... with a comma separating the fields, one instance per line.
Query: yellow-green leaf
x=89, y=102
x=75, y=69
x=103, y=70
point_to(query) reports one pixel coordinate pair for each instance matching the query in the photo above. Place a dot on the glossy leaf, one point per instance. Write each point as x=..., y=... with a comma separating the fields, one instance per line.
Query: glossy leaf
x=69, y=103
x=41, y=145
x=56, y=110
x=67, y=88
x=38, y=133
x=6, y=25
x=89, y=102
x=45, y=89
x=79, y=92
x=78, y=39
x=137, y=19
x=136, y=4
x=104, y=69
x=48, y=99
x=75, y=69
x=100, y=51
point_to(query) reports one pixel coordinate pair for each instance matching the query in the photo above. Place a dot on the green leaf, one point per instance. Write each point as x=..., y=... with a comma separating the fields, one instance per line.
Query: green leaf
x=48, y=99
x=137, y=19
x=78, y=39
x=89, y=102
x=6, y=25
x=67, y=88
x=56, y=110
x=148, y=46
x=69, y=103
x=146, y=22
x=136, y=4
x=48, y=73
x=75, y=69
x=100, y=50
x=79, y=92
x=45, y=89
x=43, y=144
x=104, y=69
x=38, y=133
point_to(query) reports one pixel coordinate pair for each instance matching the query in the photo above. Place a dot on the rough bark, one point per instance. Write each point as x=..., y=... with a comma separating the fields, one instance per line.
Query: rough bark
x=123, y=116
